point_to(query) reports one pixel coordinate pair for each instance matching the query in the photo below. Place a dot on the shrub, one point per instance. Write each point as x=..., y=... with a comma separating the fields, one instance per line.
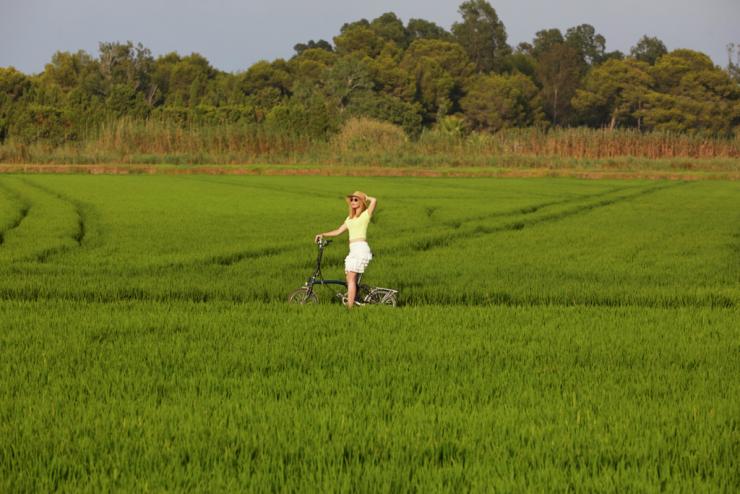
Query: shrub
x=363, y=134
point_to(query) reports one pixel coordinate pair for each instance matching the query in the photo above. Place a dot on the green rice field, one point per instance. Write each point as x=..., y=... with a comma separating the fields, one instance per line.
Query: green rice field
x=552, y=335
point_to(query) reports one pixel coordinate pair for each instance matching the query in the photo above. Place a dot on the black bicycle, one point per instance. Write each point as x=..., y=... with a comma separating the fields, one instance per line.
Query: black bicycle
x=365, y=294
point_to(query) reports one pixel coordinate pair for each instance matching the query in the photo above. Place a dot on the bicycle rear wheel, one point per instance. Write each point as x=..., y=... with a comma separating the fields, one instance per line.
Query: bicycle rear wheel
x=303, y=296
x=382, y=296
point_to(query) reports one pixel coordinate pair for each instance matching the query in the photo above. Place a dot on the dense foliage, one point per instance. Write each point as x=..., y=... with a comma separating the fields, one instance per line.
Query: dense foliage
x=413, y=75
x=555, y=335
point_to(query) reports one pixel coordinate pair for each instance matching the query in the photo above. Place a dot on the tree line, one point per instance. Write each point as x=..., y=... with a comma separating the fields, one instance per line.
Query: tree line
x=416, y=75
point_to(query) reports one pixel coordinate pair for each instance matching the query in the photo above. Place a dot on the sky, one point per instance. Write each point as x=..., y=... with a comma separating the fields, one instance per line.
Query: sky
x=234, y=34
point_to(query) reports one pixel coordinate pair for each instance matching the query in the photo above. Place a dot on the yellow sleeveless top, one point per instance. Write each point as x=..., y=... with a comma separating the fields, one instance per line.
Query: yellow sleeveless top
x=358, y=226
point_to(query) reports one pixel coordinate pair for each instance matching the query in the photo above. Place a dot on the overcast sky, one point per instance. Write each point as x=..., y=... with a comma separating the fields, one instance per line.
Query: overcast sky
x=233, y=34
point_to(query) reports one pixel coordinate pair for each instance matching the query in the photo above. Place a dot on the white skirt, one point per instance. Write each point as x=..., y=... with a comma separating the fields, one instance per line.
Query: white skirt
x=359, y=257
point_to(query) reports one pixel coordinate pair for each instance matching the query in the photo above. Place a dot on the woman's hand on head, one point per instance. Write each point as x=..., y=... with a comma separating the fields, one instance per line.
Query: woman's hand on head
x=371, y=207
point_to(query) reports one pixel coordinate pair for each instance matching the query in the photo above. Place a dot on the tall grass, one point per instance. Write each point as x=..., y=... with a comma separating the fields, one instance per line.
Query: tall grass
x=361, y=141
x=582, y=143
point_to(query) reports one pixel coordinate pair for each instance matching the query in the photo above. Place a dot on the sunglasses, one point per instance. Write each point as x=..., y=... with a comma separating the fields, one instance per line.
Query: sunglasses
x=354, y=199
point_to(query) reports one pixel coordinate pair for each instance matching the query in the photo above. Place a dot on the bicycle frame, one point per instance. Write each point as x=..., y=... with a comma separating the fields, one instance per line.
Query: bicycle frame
x=317, y=278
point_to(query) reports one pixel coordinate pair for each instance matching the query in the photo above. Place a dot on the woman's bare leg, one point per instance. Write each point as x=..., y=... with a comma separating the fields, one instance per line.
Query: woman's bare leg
x=351, y=288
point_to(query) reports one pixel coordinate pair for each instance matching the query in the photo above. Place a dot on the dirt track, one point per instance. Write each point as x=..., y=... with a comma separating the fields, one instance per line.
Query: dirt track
x=364, y=171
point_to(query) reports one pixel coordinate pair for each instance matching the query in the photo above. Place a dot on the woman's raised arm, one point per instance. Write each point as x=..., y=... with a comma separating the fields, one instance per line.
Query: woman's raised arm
x=373, y=203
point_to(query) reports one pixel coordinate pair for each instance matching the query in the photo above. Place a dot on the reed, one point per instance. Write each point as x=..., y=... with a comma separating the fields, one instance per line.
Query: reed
x=361, y=141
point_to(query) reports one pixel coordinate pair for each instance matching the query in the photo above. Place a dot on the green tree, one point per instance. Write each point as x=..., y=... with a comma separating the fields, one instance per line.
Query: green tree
x=733, y=62
x=613, y=93
x=559, y=73
x=311, y=64
x=41, y=122
x=439, y=70
x=124, y=63
x=544, y=40
x=313, y=45
x=494, y=102
x=180, y=81
x=590, y=46
x=389, y=27
x=14, y=85
x=389, y=76
x=671, y=68
x=348, y=78
x=422, y=29
x=267, y=83
x=310, y=116
x=69, y=70
x=482, y=35
x=691, y=95
x=648, y=50
x=522, y=62
x=124, y=100
x=359, y=39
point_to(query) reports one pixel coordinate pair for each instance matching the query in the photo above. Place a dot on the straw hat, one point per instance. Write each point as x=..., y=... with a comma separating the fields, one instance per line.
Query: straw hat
x=361, y=195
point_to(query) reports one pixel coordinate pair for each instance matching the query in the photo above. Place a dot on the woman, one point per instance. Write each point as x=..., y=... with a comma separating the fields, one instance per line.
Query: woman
x=361, y=208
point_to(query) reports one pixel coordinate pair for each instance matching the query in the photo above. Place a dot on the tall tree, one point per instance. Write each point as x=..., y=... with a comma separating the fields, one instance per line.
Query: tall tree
x=691, y=94
x=522, y=61
x=389, y=76
x=14, y=85
x=439, y=70
x=671, y=68
x=68, y=70
x=389, y=27
x=482, y=35
x=359, y=39
x=648, y=50
x=267, y=83
x=494, y=102
x=590, y=45
x=181, y=80
x=733, y=61
x=544, y=40
x=311, y=64
x=613, y=92
x=422, y=29
x=311, y=44
x=559, y=72
x=346, y=80
x=124, y=63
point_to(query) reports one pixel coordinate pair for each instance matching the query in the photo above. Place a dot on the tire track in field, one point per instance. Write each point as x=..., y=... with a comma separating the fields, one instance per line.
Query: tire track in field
x=77, y=207
x=25, y=207
x=225, y=259
x=442, y=240
x=535, y=207
x=524, y=210
x=82, y=212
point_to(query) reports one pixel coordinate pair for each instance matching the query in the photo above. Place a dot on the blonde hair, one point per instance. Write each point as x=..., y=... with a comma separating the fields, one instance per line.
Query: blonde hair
x=363, y=203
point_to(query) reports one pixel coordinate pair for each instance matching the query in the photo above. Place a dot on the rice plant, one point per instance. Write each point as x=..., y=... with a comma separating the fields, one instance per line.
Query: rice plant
x=553, y=335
